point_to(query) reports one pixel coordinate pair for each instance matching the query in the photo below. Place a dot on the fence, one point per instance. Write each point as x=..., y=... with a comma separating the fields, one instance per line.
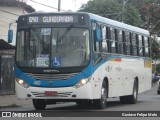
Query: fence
x=7, y=77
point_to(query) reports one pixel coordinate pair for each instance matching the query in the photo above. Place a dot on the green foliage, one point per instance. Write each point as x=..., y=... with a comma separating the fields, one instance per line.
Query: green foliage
x=140, y=13
x=149, y=11
x=155, y=50
x=101, y=7
x=113, y=9
x=132, y=16
x=158, y=68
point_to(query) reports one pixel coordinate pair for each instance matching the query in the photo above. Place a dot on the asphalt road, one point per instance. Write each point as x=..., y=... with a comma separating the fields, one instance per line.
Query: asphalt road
x=148, y=105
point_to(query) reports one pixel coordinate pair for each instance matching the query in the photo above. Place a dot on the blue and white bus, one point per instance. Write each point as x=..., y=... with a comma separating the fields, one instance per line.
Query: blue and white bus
x=80, y=57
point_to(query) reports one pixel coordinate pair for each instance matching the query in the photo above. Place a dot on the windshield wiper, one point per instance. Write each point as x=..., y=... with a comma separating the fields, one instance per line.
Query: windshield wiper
x=64, y=34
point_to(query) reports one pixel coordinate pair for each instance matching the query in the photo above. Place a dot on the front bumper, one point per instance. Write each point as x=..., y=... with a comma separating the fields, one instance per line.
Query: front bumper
x=63, y=93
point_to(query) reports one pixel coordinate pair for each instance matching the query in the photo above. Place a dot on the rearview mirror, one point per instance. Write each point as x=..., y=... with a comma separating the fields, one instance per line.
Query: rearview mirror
x=10, y=36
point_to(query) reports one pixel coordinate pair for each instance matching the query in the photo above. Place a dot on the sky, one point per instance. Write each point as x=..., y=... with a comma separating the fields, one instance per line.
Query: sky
x=66, y=5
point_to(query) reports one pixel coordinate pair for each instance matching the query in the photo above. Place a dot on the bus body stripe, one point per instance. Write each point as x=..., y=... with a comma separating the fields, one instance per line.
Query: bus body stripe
x=87, y=72
x=116, y=59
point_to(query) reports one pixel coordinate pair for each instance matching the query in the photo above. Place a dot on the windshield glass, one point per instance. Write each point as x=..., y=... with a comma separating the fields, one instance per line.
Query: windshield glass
x=52, y=47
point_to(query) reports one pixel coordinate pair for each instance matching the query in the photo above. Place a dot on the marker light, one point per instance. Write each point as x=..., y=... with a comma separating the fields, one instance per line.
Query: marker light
x=82, y=82
x=22, y=83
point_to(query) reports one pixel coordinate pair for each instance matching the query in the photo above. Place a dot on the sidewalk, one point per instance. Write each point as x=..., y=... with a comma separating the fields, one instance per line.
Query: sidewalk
x=9, y=100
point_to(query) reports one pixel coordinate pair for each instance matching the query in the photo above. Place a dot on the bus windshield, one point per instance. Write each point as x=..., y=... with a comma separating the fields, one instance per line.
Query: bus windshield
x=52, y=47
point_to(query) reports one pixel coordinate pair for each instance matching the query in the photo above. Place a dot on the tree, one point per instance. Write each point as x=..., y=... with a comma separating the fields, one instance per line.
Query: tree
x=107, y=8
x=155, y=51
x=132, y=16
x=113, y=9
x=140, y=13
x=149, y=11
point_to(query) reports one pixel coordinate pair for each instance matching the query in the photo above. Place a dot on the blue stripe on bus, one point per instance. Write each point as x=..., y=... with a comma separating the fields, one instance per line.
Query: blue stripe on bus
x=46, y=83
x=87, y=72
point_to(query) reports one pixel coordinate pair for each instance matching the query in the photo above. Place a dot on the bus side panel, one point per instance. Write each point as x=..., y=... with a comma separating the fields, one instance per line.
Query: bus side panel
x=107, y=70
x=121, y=73
x=134, y=68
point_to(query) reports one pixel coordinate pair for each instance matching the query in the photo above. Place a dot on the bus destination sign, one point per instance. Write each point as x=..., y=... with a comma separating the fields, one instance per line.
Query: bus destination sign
x=52, y=19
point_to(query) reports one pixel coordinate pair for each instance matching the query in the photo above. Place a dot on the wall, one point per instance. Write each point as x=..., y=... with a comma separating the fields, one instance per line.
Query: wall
x=8, y=14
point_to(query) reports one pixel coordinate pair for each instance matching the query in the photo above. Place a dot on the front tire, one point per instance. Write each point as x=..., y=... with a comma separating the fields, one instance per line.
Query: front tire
x=102, y=102
x=39, y=104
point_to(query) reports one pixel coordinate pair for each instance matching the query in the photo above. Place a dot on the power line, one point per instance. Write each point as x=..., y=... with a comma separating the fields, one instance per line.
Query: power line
x=9, y=12
x=4, y=16
x=4, y=19
x=46, y=5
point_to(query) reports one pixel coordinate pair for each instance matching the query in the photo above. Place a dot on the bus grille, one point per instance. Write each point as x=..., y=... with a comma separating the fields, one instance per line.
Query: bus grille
x=51, y=76
x=65, y=94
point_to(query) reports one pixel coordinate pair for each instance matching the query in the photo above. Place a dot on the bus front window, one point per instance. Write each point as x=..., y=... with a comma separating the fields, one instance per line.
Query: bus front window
x=53, y=47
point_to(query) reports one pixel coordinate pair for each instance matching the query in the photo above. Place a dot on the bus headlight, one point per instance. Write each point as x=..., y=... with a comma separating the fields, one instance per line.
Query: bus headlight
x=22, y=83
x=82, y=82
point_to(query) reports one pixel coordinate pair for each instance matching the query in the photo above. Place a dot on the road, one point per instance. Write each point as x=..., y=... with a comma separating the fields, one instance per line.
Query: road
x=148, y=101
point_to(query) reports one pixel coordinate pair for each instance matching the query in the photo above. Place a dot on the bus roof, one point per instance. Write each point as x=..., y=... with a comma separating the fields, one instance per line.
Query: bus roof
x=121, y=25
x=104, y=20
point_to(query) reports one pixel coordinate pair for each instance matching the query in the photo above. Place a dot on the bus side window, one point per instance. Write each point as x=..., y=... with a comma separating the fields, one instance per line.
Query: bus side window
x=146, y=45
x=137, y=44
x=131, y=45
x=134, y=44
x=124, y=42
x=113, y=41
x=149, y=46
x=141, y=46
x=108, y=37
x=121, y=42
x=97, y=45
x=128, y=43
x=105, y=47
x=116, y=40
x=97, y=48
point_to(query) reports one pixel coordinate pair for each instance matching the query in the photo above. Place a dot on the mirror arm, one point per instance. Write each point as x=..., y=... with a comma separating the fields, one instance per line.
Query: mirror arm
x=12, y=22
x=10, y=32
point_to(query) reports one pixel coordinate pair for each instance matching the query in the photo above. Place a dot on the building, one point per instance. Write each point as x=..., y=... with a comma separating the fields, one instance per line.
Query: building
x=9, y=11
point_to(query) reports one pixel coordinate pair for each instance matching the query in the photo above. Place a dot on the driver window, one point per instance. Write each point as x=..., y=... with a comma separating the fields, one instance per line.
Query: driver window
x=97, y=47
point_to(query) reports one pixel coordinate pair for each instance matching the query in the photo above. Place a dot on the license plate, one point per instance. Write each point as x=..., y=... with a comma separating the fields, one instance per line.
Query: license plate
x=51, y=93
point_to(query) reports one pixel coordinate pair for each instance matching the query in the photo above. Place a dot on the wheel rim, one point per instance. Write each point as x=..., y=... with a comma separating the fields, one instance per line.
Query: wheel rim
x=103, y=94
x=135, y=93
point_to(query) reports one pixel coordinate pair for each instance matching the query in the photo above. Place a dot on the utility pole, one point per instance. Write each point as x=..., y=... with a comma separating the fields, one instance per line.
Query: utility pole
x=59, y=5
x=122, y=13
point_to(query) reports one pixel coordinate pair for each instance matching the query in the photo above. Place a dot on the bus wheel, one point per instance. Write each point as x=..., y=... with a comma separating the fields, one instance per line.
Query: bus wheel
x=131, y=99
x=101, y=103
x=39, y=104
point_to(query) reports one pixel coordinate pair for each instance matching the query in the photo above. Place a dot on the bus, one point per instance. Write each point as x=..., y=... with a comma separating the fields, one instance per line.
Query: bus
x=80, y=57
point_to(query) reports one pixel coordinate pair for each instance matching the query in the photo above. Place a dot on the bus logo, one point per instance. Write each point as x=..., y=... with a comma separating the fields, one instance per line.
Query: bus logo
x=50, y=83
x=51, y=71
